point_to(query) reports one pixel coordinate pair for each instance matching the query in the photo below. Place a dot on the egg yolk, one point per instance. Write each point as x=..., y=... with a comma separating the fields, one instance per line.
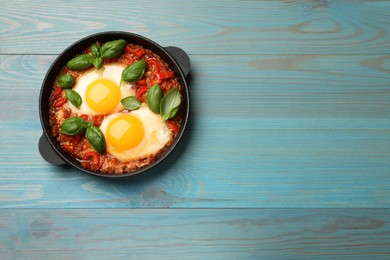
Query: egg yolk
x=125, y=132
x=103, y=95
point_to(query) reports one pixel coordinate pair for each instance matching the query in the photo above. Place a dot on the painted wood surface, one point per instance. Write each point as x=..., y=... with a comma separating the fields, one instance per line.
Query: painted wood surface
x=203, y=27
x=287, y=152
x=312, y=132
x=195, y=234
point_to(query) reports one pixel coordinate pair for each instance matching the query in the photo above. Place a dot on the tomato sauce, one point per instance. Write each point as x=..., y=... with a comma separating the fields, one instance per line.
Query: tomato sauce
x=79, y=147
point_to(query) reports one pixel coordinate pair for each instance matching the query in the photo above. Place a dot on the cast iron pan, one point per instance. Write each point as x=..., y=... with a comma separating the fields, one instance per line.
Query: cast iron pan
x=175, y=57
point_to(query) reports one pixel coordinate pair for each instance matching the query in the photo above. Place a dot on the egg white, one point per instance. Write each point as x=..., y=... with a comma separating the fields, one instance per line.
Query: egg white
x=156, y=135
x=111, y=72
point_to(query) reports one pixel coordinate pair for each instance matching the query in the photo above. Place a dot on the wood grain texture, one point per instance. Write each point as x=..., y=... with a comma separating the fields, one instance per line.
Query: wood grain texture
x=282, y=131
x=286, y=155
x=203, y=27
x=212, y=169
x=311, y=88
x=195, y=234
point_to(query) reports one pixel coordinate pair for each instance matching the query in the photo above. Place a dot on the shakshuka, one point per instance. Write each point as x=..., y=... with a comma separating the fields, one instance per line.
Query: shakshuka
x=115, y=107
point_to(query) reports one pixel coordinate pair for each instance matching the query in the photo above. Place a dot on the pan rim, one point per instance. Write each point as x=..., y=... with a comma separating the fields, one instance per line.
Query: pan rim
x=77, y=47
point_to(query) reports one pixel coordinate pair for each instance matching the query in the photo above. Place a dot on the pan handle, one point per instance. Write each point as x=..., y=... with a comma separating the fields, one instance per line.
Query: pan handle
x=48, y=153
x=181, y=57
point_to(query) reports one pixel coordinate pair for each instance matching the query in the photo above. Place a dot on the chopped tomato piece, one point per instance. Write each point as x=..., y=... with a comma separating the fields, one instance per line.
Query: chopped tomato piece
x=57, y=92
x=142, y=82
x=141, y=93
x=97, y=120
x=164, y=75
x=60, y=102
x=172, y=126
x=130, y=50
x=93, y=156
x=84, y=116
x=67, y=112
x=75, y=140
x=155, y=64
x=128, y=59
x=140, y=53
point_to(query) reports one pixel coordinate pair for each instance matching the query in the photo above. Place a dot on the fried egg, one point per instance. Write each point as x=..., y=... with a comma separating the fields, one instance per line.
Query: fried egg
x=101, y=92
x=134, y=134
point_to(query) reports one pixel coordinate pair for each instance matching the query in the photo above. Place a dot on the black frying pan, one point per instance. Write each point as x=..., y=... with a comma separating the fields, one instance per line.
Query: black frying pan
x=175, y=57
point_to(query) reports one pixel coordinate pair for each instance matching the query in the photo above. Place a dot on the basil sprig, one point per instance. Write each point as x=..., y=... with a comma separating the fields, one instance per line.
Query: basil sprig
x=167, y=105
x=73, y=97
x=170, y=104
x=96, y=138
x=76, y=125
x=73, y=126
x=112, y=49
x=131, y=103
x=66, y=81
x=97, y=62
x=80, y=62
x=95, y=50
x=134, y=72
x=154, y=98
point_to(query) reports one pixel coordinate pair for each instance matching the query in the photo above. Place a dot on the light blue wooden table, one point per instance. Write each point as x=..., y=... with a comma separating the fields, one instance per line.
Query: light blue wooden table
x=286, y=155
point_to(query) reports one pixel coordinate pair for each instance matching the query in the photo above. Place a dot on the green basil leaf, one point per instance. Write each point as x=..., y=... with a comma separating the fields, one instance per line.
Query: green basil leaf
x=170, y=104
x=173, y=113
x=134, y=72
x=154, y=98
x=95, y=50
x=96, y=138
x=73, y=126
x=131, y=103
x=73, y=97
x=80, y=62
x=97, y=62
x=66, y=81
x=112, y=49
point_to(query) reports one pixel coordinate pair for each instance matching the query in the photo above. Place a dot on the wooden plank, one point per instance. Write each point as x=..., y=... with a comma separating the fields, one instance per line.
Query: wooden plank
x=203, y=27
x=294, y=91
x=195, y=234
x=212, y=169
x=290, y=111
x=278, y=131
